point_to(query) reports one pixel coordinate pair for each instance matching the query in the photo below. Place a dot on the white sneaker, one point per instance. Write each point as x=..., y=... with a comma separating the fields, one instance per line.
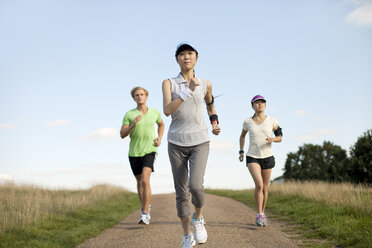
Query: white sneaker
x=145, y=219
x=188, y=241
x=199, y=230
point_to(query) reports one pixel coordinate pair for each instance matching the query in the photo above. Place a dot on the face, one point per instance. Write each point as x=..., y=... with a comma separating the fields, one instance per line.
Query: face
x=140, y=96
x=187, y=59
x=259, y=105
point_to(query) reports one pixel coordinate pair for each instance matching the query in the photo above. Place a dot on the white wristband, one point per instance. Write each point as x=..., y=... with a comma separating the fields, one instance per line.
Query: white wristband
x=186, y=93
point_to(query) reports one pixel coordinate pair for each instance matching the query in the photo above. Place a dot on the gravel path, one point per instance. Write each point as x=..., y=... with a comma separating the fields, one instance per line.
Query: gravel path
x=229, y=224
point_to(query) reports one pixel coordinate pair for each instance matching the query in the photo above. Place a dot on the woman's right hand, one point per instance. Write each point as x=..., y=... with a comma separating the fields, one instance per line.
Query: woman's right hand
x=193, y=83
x=241, y=157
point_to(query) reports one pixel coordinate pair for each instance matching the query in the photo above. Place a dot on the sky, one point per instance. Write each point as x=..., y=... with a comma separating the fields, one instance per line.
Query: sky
x=67, y=68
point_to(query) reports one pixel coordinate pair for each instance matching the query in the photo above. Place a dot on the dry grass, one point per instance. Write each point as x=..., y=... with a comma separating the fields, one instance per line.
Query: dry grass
x=23, y=205
x=344, y=194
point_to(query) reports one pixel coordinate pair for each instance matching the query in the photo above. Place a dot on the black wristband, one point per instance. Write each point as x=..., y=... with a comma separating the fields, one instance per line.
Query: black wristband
x=214, y=118
x=241, y=151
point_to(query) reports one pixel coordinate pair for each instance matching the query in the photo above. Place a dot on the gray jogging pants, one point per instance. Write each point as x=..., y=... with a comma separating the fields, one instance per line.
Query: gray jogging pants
x=183, y=159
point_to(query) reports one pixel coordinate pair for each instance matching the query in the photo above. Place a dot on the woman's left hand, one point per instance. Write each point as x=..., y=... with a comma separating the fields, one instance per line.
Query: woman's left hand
x=215, y=128
x=270, y=139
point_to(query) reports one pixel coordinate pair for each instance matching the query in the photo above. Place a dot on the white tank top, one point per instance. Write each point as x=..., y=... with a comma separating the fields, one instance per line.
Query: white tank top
x=188, y=127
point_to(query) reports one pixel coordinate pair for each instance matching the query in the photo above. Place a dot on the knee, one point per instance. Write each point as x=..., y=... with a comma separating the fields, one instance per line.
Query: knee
x=145, y=182
x=260, y=187
x=195, y=189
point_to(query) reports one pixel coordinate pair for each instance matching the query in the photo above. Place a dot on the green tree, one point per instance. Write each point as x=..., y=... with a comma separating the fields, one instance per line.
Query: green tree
x=314, y=162
x=361, y=159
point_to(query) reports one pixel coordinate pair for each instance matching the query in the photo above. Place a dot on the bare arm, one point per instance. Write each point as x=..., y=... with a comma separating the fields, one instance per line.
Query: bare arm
x=277, y=138
x=160, y=133
x=210, y=108
x=241, y=144
x=169, y=106
x=126, y=129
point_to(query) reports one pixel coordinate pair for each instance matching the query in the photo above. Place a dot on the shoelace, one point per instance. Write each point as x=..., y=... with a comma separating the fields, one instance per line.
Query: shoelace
x=186, y=240
x=199, y=226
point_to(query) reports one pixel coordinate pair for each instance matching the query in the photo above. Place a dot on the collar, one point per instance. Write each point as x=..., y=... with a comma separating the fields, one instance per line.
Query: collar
x=180, y=79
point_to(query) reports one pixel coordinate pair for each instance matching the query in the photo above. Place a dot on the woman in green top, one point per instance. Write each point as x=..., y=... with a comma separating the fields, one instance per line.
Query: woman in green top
x=139, y=124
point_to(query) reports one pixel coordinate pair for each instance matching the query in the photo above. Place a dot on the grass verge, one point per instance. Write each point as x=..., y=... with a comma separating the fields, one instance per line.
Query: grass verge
x=337, y=225
x=70, y=228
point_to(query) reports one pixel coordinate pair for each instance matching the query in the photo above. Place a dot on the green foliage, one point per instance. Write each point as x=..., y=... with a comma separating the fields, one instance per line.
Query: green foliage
x=62, y=230
x=314, y=162
x=329, y=225
x=361, y=159
x=329, y=162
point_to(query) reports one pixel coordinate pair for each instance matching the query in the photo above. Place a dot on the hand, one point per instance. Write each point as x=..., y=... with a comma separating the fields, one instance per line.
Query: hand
x=157, y=142
x=270, y=139
x=241, y=157
x=137, y=119
x=215, y=128
x=193, y=83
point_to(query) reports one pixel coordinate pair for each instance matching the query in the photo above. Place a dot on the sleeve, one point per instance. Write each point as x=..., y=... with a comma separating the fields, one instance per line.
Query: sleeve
x=158, y=116
x=126, y=119
x=245, y=125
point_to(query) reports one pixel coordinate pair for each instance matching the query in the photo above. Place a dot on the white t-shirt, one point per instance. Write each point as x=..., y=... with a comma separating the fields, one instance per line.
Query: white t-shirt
x=259, y=147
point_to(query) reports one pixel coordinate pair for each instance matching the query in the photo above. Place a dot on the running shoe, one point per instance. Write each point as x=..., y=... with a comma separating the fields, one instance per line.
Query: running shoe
x=188, y=241
x=264, y=221
x=145, y=219
x=149, y=209
x=260, y=220
x=200, y=233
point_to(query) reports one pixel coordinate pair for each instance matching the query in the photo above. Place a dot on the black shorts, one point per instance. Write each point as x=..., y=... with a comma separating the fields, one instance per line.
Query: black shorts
x=137, y=163
x=265, y=163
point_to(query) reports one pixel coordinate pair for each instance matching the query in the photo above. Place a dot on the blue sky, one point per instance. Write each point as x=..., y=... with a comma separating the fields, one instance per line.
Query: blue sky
x=67, y=68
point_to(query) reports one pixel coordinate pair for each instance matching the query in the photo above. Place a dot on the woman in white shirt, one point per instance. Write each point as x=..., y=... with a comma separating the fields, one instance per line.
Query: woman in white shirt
x=260, y=159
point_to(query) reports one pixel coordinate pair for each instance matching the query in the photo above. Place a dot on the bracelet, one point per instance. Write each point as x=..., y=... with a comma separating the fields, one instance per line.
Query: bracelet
x=213, y=118
x=241, y=152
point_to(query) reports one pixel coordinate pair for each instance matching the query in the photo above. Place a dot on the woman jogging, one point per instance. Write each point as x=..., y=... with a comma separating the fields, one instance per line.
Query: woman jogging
x=260, y=159
x=139, y=124
x=188, y=140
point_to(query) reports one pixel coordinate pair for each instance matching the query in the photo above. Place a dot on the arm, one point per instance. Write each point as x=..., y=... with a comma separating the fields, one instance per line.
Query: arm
x=169, y=106
x=278, y=138
x=126, y=129
x=241, y=144
x=160, y=133
x=210, y=108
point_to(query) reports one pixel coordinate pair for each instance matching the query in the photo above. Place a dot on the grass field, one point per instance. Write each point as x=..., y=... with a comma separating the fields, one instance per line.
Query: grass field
x=36, y=217
x=337, y=214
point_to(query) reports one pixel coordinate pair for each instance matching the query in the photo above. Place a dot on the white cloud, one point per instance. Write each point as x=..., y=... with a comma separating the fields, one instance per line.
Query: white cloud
x=6, y=126
x=6, y=178
x=314, y=135
x=57, y=123
x=362, y=16
x=299, y=112
x=102, y=133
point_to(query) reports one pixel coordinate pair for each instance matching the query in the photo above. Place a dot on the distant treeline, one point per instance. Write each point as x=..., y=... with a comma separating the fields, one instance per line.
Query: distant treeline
x=329, y=162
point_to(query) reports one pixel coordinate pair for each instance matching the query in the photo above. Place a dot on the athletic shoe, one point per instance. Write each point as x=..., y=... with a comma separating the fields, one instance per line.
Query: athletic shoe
x=188, y=241
x=149, y=208
x=145, y=219
x=199, y=230
x=264, y=221
x=260, y=220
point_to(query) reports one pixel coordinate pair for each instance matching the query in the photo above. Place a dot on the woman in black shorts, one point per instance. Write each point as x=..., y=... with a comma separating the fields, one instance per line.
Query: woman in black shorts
x=260, y=159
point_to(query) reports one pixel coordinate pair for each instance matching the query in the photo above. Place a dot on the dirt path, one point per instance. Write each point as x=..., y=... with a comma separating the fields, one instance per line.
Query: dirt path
x=229, y=224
